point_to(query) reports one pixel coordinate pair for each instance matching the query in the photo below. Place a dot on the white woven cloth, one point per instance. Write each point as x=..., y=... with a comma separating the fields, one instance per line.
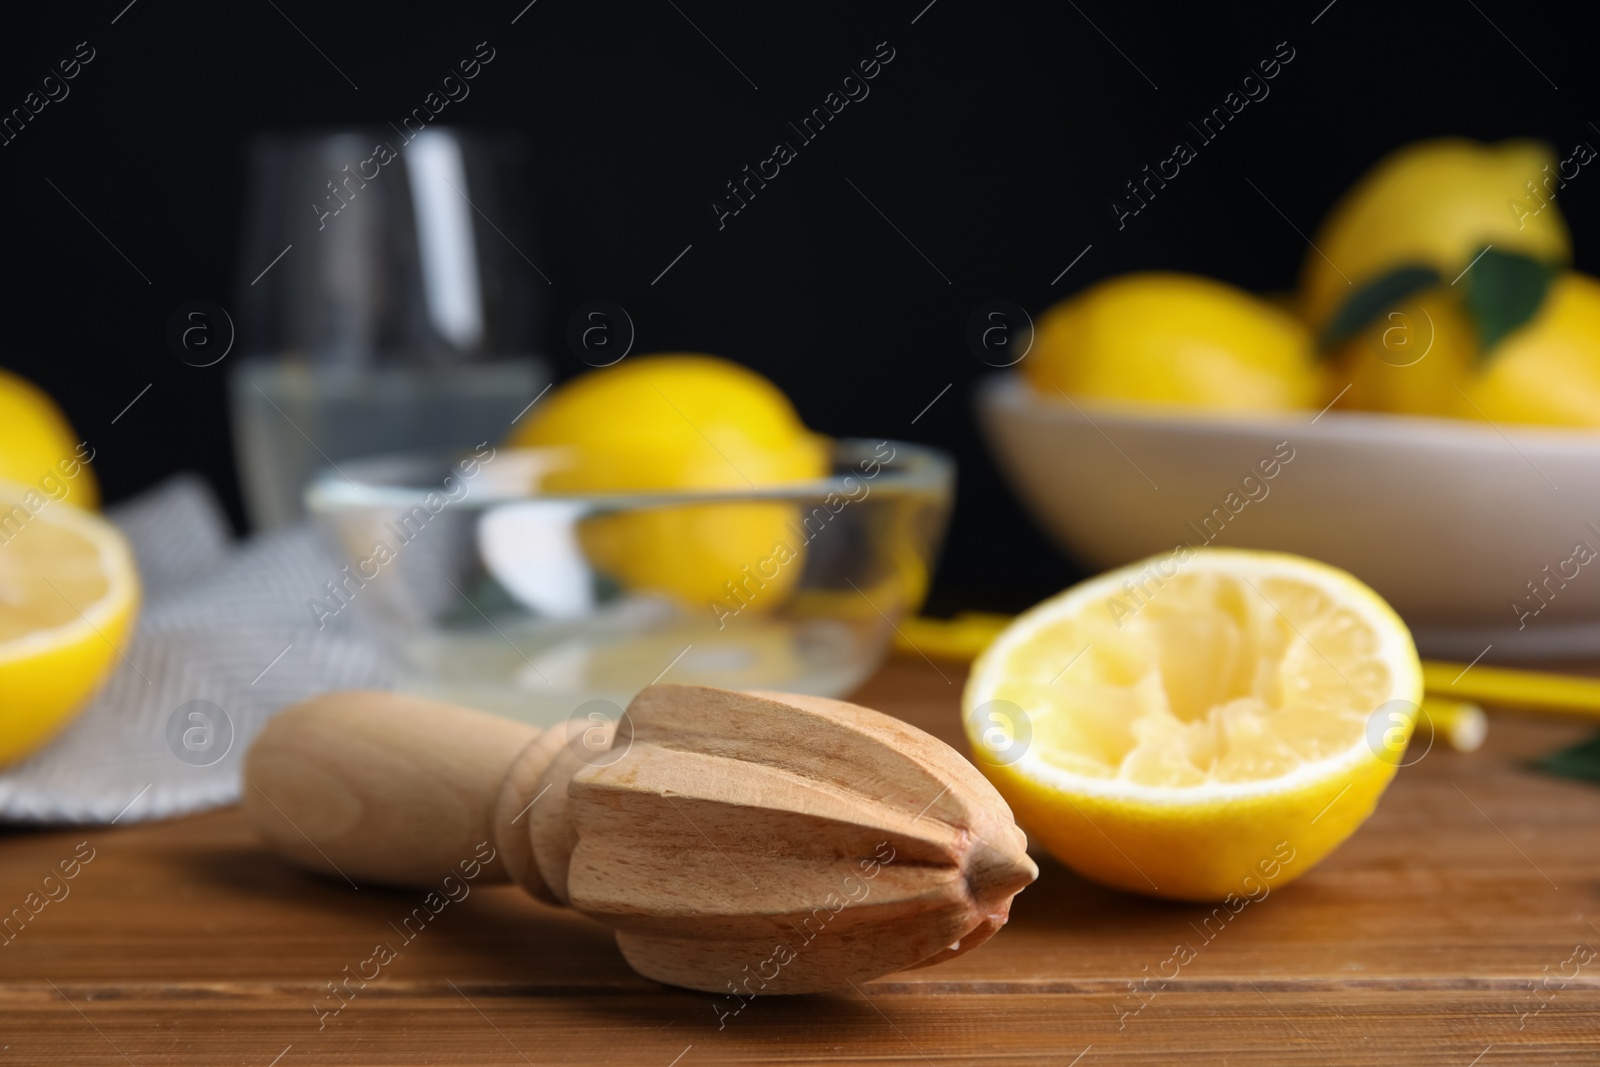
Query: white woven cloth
x=224, y=623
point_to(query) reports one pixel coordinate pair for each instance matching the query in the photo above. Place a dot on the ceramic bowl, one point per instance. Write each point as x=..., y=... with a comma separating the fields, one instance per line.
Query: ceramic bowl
x=1480, y=535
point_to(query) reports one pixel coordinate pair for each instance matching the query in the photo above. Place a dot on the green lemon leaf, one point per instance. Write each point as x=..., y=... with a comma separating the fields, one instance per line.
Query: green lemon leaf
x=1373, y=298
x=1505, y=290
x=1580, y=761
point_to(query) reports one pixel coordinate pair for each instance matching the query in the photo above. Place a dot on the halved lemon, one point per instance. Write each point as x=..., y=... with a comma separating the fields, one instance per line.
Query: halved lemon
x=1202, y=725
x=69, y=592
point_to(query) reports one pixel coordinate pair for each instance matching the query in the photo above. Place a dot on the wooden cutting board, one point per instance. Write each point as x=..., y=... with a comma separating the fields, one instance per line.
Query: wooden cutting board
x=1460, y=926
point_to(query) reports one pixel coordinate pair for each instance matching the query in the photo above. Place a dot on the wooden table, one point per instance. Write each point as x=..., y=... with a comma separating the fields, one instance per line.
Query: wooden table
x=1421, y=941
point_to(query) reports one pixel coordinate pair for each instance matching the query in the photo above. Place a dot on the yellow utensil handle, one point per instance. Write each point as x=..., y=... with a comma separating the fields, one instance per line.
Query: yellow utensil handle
x=1460, y=723
x=1561, y=694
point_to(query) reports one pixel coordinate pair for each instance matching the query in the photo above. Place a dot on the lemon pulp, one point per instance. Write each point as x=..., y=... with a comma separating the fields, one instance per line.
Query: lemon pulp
x=43, y=577
x=1216, y=680
x=68, y=596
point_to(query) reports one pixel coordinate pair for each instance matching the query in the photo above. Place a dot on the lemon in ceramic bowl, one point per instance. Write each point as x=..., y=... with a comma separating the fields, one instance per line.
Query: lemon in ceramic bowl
x=1425, y=211
x=1173, y=340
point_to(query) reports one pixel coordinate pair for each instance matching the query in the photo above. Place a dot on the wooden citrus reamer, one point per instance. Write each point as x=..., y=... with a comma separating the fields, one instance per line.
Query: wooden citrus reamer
x=744, y=842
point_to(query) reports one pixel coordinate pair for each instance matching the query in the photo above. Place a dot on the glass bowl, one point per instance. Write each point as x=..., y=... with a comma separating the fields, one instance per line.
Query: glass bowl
x=530, y=604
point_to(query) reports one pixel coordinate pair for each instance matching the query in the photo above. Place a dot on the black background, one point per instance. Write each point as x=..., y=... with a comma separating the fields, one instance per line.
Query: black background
x=995, y=140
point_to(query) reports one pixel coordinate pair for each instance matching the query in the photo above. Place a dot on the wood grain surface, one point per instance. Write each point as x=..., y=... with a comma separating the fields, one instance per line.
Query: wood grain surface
x=1460, y=926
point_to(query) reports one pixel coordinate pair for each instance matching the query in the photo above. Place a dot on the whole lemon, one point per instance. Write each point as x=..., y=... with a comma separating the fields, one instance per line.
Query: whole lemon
x=683, y=421
x=1547, y=371
x=1434, y=204
x=1174, y=339
x=37, y=446
x=1412, y=359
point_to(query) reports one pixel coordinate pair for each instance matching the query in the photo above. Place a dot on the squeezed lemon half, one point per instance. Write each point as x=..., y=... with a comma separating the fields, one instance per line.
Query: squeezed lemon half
x=1199, y=724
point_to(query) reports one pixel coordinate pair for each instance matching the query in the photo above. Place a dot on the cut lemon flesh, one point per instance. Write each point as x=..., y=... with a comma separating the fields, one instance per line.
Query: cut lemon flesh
x=1204, y=705
x=69, y=591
